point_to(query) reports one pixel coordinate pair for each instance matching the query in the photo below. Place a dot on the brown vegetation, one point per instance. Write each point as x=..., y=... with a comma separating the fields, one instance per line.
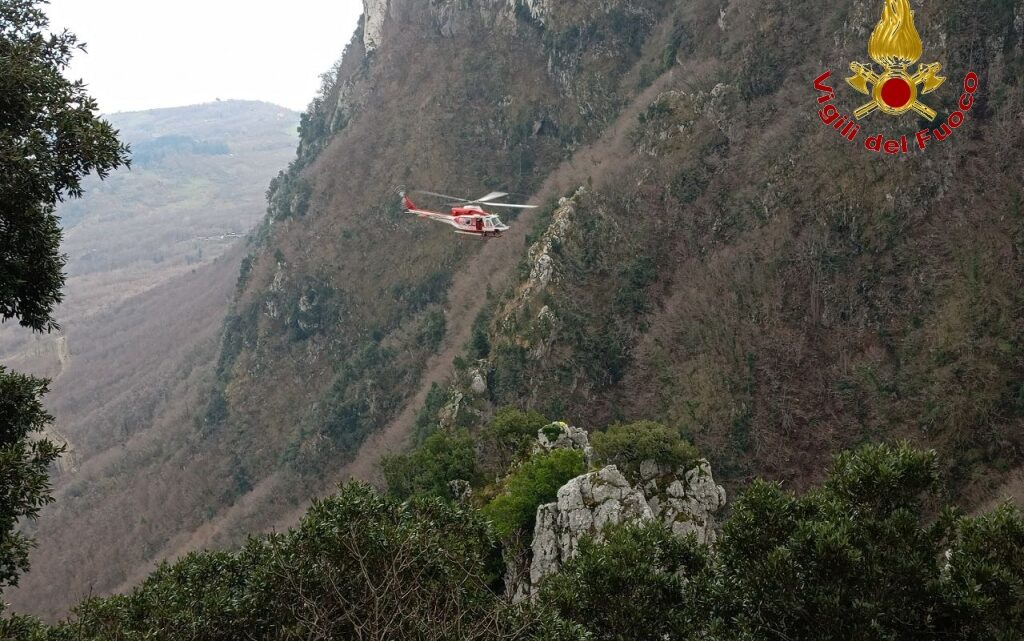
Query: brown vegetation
x=733, y=269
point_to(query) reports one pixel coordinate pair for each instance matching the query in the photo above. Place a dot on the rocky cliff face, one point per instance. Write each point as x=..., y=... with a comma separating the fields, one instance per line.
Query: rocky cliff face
x=561, y=436
x=452, y=17
x=685, y=500
x=375, y=12
x=586, y=44
x=585, y=506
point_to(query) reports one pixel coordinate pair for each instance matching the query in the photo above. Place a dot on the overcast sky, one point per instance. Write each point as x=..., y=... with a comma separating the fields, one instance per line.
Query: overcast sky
x=144, y=54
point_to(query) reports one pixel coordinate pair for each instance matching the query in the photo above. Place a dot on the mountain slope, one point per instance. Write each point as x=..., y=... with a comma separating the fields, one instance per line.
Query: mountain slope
x=347, y=301
x=340, y=302
x=195, y=186
x=778, y=292
x=730, y=266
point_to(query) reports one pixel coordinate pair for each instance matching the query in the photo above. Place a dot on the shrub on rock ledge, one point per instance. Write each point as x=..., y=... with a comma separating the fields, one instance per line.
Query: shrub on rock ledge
x=627, y=445
x=532, y=484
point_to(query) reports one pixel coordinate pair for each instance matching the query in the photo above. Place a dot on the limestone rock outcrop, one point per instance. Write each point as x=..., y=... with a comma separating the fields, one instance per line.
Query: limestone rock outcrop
x=684, y=499
x=585, y=506
x=561, y=436
x=462, y=491
x=453, y=18
x=478, y=379
x=540, y=254
x=447, y=414
x=375, y=12
x=544, y=326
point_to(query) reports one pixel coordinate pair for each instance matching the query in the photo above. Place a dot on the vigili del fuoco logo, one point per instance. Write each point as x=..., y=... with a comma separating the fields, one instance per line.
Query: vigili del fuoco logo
x=894, y=90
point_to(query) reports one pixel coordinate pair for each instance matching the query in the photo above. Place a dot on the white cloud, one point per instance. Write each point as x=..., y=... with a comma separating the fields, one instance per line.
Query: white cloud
x=144, y=54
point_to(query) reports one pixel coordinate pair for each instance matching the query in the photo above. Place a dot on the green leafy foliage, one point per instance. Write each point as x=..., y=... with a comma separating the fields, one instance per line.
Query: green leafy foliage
x=629, y=444
x=862, y=554
x=432, y=331
x=986, y=573
x=533, y=483
x=349, y=413
x=479, y=343
x=636, y=276
x=641, y=583
x=50, y=138
x=552, y=432
x=510, y=363
x=443, y=457
x=508, y=437
x=426, y=418
x=680, y=41
x=431, y=290
x=358, y=566
x=216, y=408
x=24, y=461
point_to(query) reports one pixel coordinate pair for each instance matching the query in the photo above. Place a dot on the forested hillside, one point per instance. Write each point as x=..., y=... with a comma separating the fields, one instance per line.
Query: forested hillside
x=772, y=289
x=708, y=255
x=629, y=550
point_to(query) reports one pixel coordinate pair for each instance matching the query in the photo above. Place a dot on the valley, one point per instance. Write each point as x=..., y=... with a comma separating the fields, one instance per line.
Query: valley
x=153, y=261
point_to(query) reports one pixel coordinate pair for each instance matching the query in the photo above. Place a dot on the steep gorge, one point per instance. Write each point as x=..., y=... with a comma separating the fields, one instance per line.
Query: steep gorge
x=728, y=266
x=343, y=302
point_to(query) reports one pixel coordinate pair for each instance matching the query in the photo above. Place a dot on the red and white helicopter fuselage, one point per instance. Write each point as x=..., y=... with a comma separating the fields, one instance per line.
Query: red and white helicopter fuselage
x=466, y=218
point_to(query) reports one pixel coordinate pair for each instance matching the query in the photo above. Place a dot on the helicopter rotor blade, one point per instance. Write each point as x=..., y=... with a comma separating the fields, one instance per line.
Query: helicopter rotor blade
x=490, y=196
x=445, y=196
x=511, y=205
x=455, y=201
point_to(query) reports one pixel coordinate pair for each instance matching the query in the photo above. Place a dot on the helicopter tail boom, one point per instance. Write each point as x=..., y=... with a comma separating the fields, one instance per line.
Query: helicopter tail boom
x=407, y=202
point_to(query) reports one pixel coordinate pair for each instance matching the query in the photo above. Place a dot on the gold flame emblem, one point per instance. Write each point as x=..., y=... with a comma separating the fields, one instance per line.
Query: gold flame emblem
x=895, y=45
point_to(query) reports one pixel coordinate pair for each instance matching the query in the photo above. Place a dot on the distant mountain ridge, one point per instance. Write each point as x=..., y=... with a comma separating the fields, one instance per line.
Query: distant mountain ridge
x=198, y=173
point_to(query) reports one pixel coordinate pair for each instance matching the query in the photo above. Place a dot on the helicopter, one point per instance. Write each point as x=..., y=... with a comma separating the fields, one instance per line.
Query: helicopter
x=467, y=216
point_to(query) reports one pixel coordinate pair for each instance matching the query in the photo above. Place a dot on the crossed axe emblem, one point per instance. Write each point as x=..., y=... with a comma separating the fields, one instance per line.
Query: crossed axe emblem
x=895, y=91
